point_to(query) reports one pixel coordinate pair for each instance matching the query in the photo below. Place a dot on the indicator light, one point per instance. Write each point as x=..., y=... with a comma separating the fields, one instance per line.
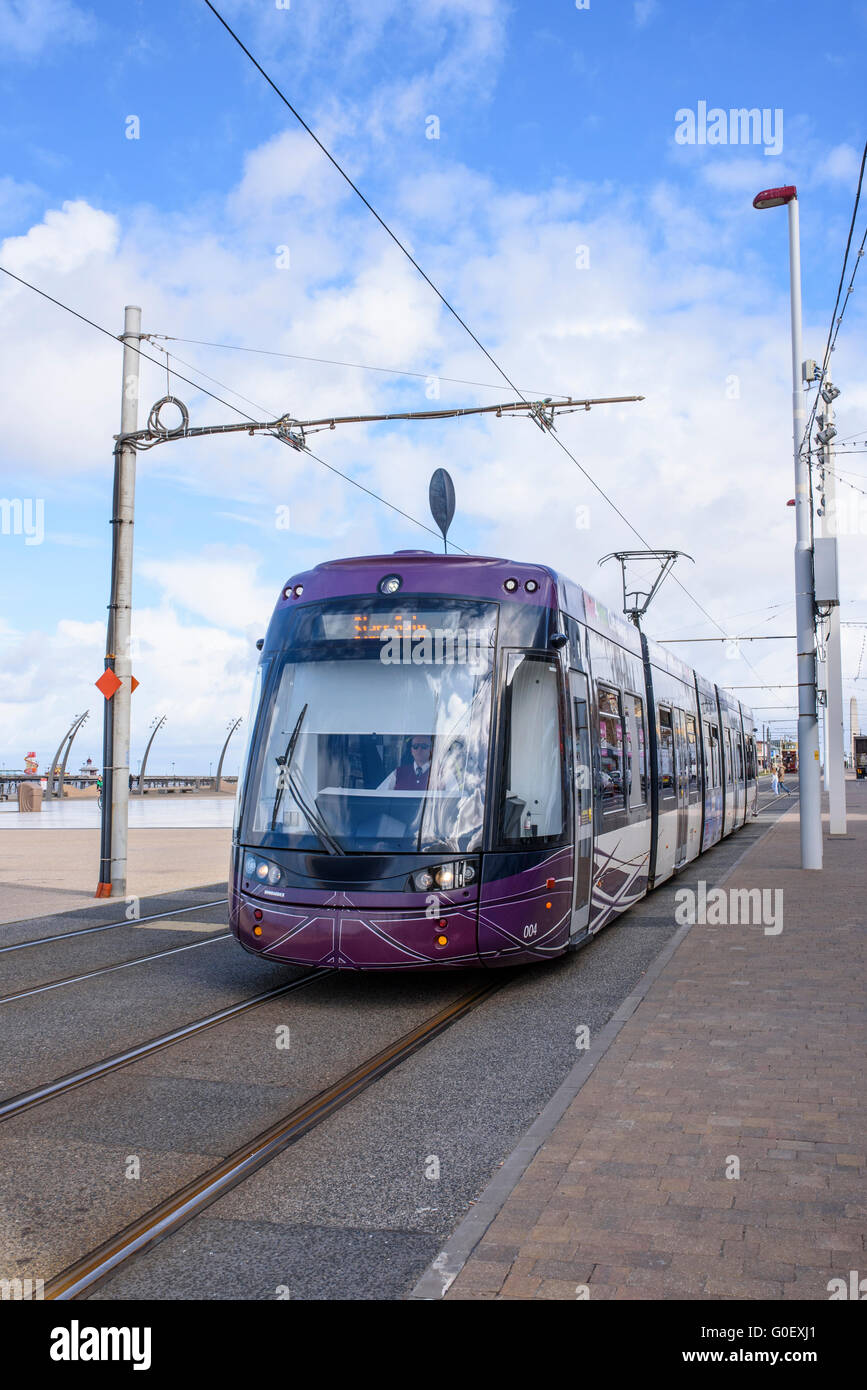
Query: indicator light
x=549, y=884
x=547, y=904
x=257, y=931
x=443, y=922
x=442, y=941
x=258, y=914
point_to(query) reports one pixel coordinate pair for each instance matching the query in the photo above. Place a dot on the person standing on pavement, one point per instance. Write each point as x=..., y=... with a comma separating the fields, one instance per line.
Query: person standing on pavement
x=775, y=780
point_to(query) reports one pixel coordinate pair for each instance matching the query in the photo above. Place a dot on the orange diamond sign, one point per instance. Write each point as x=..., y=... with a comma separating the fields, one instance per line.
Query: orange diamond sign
x=133, y=684
x=108, y=683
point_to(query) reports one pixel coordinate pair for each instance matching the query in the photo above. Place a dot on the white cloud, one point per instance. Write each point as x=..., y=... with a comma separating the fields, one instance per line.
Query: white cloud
x=30, y=27
x=16, y=199
x=670, y=307
x=644, y=10
x=217, y=585
x=841, y=165
x=63, y=241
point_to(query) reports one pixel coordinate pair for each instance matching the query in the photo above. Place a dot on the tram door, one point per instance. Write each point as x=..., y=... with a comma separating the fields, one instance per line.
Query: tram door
x=681, y=782
x=582, y=781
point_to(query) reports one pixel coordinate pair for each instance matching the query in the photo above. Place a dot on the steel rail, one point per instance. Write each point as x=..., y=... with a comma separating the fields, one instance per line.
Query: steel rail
x=15, y=1105
x=107, y=969
x=92, y=1269
x=107, y=926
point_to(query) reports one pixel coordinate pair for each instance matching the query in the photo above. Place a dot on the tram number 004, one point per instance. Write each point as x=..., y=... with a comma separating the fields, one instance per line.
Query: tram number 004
x=530, y=930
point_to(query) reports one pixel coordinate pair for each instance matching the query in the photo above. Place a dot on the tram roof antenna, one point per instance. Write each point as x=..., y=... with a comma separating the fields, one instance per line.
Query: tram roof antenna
x=441, y=495
x=636, y=601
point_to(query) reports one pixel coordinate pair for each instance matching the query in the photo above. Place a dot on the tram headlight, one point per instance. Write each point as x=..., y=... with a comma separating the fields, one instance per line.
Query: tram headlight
x=262, y=870
x=446, y=876
x=390, y=584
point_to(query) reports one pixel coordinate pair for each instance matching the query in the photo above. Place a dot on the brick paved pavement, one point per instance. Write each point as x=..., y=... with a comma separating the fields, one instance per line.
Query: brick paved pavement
x=748, y=1046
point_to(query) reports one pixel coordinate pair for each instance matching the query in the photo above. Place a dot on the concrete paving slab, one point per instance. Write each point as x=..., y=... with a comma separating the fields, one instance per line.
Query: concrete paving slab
x=45, y=871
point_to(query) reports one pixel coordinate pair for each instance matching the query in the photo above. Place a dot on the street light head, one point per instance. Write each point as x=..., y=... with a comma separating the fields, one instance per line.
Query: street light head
x=775, y=197
x=829, y=392
x=827, y=434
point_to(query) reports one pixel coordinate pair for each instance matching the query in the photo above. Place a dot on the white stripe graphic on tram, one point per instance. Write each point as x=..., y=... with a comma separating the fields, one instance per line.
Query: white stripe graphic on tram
x=534, y=945
x=383, y=935
x=289, y=934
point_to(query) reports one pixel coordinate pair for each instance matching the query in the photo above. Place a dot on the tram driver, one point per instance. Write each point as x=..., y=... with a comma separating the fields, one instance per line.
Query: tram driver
x=413, y=775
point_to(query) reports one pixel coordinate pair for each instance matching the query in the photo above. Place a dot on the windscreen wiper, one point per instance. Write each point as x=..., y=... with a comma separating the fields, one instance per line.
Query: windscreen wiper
x=313, y=816
x=284, y=763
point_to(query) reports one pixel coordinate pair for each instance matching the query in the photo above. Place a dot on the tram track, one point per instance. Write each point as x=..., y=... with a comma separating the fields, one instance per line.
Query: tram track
x=107, y=969
x=91, y=1270
x=108, y=926
x=25, y=1100
x=87, y=1273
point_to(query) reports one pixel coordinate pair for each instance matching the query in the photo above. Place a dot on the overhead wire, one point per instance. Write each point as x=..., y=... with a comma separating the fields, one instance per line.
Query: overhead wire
x=360, y=366
x=834, y=326
x=450, y=307
x=118, y=338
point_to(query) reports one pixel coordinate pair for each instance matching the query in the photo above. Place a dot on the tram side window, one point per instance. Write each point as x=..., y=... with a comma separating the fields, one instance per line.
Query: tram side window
x=692, y=750
x=611, y=749
x=714, y=755
x=739, y=758
x=751, y=759
x=728, y=755
x=666, y=754
x=636, y=755
x=533, y=804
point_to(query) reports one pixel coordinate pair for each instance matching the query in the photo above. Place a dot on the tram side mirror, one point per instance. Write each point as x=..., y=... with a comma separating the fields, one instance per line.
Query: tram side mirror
x=260, y=644
x=558, y=640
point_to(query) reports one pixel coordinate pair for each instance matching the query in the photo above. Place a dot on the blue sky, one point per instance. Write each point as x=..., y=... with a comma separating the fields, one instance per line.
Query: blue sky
x=556, y=130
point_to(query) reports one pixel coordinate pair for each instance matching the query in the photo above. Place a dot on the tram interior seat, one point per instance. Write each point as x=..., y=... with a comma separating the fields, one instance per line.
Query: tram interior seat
x=512, y=813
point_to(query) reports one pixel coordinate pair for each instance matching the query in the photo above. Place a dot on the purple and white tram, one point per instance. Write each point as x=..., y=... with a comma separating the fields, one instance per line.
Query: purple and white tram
x=463, y=761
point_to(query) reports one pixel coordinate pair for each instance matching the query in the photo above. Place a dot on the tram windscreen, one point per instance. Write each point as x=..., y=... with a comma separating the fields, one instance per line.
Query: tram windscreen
x=374, y=731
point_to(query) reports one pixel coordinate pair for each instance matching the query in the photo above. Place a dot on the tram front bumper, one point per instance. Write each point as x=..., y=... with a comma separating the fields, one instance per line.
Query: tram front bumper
x=353, y=938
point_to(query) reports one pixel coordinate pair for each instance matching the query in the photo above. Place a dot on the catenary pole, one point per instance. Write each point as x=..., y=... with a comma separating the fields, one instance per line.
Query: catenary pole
x=809, y=778
x=808, y=722
x=805, y=607
x=115, y=799
x=834, y=774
